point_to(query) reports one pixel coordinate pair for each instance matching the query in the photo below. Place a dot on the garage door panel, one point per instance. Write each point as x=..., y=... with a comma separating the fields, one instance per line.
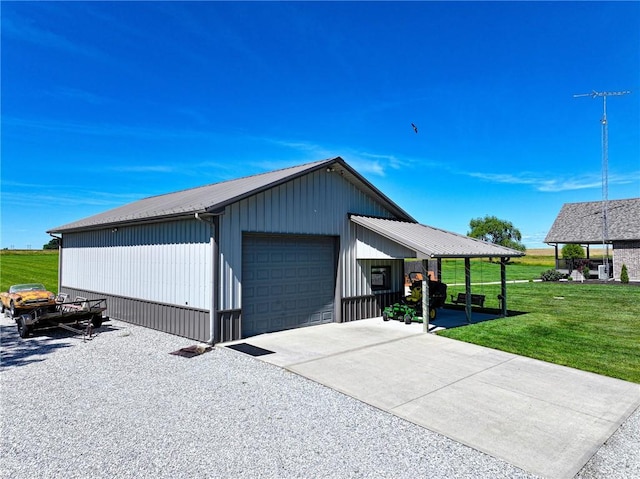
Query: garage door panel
x=299, y=278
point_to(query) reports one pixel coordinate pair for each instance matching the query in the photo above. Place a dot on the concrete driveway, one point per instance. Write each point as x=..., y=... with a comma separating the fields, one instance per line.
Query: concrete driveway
x=544, y=418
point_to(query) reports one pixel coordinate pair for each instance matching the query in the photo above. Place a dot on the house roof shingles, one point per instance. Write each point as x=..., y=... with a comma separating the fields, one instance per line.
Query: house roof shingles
x=582, y=222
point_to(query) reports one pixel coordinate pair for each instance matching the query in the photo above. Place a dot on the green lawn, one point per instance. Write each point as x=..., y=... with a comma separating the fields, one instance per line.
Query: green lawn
x=34, y=266
x=590, y=326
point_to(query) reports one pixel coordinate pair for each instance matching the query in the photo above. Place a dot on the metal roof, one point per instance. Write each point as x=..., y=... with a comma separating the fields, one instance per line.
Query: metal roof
x=214, y=197
x=430, y=242
x=582, y=222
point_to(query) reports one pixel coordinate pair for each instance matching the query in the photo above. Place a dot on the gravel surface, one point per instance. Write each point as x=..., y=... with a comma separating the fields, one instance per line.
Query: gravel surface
x=121, y=406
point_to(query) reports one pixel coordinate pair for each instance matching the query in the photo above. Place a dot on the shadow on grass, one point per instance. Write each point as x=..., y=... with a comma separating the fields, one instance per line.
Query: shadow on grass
x=16, y=351
x=453, y=316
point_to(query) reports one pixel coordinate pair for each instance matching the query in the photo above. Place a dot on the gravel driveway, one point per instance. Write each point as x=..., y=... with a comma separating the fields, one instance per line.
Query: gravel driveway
x=121, y=406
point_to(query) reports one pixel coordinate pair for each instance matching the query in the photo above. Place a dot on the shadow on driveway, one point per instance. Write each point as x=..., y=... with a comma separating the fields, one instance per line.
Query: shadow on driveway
x=15, y=351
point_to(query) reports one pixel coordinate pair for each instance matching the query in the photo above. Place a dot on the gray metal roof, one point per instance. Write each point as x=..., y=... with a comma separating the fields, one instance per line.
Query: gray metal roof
x=582, y=222
x=214, y=197
x=430, y=242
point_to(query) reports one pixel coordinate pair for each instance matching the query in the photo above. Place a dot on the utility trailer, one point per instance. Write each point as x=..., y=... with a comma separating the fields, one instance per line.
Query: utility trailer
x=79, y=316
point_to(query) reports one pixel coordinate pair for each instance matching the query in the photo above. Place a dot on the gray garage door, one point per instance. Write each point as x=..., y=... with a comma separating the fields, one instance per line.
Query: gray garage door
x=287, y=282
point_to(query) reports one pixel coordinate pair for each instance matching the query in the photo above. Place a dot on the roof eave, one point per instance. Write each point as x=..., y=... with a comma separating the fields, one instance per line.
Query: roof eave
x=131, y=222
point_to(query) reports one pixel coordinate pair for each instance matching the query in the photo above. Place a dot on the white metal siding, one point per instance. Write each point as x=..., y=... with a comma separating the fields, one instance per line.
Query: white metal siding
x=162, y=262
x=317, y=204
x=370, y=245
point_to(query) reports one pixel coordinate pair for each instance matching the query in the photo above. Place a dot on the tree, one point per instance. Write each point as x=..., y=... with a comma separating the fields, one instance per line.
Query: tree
x=53, y=244
x=572, y=251
x=496, y=231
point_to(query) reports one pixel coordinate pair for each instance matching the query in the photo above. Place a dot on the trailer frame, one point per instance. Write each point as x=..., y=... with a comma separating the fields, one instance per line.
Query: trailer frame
x=84, y=314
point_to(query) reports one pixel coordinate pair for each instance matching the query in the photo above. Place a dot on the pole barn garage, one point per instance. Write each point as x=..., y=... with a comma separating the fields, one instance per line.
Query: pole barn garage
x=229, y=260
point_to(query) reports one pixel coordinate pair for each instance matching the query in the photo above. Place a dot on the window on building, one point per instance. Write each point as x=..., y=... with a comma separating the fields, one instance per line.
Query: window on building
x=380, y=278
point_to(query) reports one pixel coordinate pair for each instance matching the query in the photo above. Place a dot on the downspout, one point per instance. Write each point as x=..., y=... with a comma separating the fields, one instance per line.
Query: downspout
x=59, y=238
x=213, y=309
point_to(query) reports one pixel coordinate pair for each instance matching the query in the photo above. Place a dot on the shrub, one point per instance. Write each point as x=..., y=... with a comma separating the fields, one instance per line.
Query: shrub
x=582, y=265
x=551, y=275
x=624, y=274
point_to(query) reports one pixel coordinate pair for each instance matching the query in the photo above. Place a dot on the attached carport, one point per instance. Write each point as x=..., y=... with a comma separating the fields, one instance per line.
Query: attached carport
x=426, y=242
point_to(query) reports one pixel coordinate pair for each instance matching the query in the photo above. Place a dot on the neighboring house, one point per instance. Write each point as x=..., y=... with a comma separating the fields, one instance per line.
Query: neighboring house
x=305, y=245
x=581, y=223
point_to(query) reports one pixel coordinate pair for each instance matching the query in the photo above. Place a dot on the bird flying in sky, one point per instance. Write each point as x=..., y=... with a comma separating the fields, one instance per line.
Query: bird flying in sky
x=415, y=128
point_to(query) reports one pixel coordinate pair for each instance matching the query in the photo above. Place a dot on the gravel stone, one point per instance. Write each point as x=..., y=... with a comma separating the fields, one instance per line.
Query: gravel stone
x=121, y=406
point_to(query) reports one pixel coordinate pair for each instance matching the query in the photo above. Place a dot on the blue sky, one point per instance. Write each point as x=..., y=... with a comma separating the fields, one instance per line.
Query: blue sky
x=104, y=103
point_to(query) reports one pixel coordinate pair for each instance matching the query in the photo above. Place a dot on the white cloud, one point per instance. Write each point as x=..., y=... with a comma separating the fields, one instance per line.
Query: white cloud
x=144, y=169
x=553, y=183
x=95, y=198
x=104, y=129
x=367, y=166
x=82, y=95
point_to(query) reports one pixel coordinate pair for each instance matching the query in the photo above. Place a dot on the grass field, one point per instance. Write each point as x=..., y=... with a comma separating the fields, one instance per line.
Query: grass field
x=29, y=266
x=590, y=326
x=484, y=271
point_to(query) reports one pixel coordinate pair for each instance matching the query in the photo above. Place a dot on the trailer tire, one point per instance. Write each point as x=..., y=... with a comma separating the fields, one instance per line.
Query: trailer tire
x=96, y=321
x=23, y=328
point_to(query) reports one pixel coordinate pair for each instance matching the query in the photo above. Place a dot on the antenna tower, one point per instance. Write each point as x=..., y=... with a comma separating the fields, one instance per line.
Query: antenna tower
x=605, y=165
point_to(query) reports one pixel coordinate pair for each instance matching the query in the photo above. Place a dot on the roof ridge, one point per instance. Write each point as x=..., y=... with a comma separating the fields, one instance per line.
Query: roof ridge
x=255, y=175
x=600, y=201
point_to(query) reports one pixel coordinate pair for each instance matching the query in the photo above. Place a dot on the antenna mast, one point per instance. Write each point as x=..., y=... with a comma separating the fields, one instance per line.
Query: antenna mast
x=605, y=165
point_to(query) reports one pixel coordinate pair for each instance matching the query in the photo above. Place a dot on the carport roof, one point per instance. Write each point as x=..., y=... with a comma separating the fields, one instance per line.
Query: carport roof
x=430, y=242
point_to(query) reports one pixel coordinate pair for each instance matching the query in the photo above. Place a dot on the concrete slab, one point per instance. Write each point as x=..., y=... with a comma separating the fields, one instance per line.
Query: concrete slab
x=305, y=344
x=526, y=431
x=544, y=418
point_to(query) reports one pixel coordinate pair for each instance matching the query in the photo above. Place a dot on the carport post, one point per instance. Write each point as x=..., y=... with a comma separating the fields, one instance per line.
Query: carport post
x=503, y=285
x=425, y=296
x=467, y=286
